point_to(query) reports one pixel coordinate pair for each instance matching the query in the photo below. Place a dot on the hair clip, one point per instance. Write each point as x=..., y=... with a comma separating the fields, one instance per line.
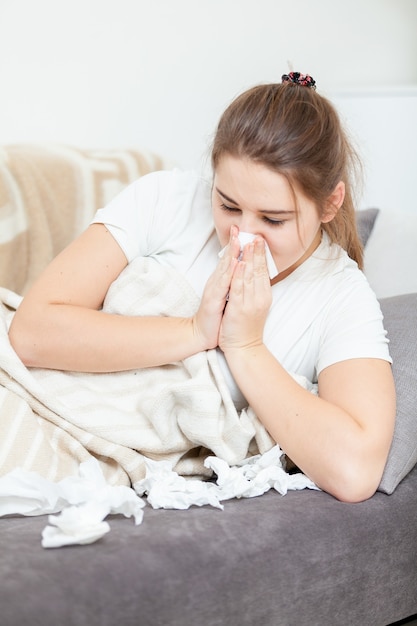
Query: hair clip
x=305, y=80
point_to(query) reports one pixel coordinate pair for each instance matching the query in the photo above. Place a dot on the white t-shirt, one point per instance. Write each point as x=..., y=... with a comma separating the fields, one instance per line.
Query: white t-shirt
x=322, y=313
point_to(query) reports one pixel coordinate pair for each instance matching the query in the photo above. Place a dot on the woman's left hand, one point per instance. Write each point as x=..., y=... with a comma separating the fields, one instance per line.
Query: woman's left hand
x=250, y=299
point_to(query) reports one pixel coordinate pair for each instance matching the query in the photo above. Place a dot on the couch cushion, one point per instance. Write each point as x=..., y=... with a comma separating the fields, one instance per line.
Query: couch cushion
x=304, y=559
x=400, y=318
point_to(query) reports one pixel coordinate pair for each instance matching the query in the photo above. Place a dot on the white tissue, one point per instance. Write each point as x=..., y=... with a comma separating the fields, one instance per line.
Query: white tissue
x=81, y=524
x=245, y=238
x=165, y=489
x=85, y=500
x=254, y=477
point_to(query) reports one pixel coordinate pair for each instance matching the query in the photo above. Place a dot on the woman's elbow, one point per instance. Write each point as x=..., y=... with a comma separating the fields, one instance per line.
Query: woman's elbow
x=23, y=342
x=357, y=484
x=355, y=493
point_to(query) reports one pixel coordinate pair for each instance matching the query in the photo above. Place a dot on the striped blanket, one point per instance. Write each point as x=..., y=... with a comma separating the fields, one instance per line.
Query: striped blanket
x=49, y=194
x=51, y=421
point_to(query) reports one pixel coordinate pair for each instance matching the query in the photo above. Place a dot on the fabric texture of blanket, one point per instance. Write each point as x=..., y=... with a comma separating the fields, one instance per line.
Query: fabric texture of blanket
x=49, y=194
x=51, y=421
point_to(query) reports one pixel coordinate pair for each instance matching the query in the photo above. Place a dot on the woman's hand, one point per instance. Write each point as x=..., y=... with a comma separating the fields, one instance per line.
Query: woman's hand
x=249, y=301
x=209, y=316
x=60, y=324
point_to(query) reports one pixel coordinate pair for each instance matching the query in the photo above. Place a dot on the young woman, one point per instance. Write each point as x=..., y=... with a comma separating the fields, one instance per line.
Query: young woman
x=282, y=171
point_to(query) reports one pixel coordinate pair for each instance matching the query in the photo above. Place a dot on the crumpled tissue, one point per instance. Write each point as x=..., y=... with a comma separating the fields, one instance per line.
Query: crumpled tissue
x=76, y=525
x=84, y=501
x=165, y=489
x=255, y=476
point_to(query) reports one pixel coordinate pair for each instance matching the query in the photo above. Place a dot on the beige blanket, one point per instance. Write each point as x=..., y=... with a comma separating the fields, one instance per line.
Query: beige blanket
x=50, y=421
x=49, y=194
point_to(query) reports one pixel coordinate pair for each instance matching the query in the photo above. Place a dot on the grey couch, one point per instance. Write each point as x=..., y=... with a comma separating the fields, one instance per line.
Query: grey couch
x=302, y=559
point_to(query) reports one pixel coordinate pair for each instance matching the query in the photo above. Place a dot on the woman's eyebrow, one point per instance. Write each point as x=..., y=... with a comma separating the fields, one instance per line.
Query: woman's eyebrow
x=269, y=211
x=223, y=195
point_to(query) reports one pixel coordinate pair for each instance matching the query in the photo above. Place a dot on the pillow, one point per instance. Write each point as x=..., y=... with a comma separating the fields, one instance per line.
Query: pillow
x=365, y=221
x=400, y=319
x=391, y=253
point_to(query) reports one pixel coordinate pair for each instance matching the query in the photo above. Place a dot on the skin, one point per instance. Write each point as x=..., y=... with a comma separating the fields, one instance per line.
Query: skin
x=340, y=439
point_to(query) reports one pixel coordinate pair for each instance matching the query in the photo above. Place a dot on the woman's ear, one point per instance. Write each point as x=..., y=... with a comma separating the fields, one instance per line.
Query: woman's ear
x=334, y=202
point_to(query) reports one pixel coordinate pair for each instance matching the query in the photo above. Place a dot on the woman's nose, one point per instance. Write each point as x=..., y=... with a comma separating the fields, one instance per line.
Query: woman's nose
x=247, y=226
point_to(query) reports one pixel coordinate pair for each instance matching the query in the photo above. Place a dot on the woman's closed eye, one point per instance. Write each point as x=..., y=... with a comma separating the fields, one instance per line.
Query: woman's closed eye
x=231, y=209
x=271, y=222
x=267, y=220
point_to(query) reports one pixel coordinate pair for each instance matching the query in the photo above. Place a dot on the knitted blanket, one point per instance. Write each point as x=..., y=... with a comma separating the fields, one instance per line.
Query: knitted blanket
x=51, y=421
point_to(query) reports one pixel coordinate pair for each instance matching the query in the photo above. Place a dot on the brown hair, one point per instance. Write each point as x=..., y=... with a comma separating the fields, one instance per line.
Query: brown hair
x=296, y=132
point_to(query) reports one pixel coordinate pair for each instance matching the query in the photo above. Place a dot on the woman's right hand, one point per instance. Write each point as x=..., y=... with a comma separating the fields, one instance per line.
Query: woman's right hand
x=209, y=316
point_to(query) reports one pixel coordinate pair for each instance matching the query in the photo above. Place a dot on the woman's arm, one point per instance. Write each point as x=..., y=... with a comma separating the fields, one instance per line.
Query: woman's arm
x=340, y=439
x=59, y=325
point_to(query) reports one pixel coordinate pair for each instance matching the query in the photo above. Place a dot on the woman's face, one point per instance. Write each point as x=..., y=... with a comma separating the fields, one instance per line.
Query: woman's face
x=260, y=201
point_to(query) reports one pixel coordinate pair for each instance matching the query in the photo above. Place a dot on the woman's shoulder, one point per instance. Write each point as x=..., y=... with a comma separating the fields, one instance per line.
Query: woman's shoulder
x=331, y=280
x=156, y=207
x=348, y=288
x=327, y=264
x=350, y=285
x=155, y=191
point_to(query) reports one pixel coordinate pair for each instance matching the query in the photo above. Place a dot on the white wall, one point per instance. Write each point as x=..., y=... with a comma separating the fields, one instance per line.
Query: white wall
x=157, y=73
x=383, y=126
